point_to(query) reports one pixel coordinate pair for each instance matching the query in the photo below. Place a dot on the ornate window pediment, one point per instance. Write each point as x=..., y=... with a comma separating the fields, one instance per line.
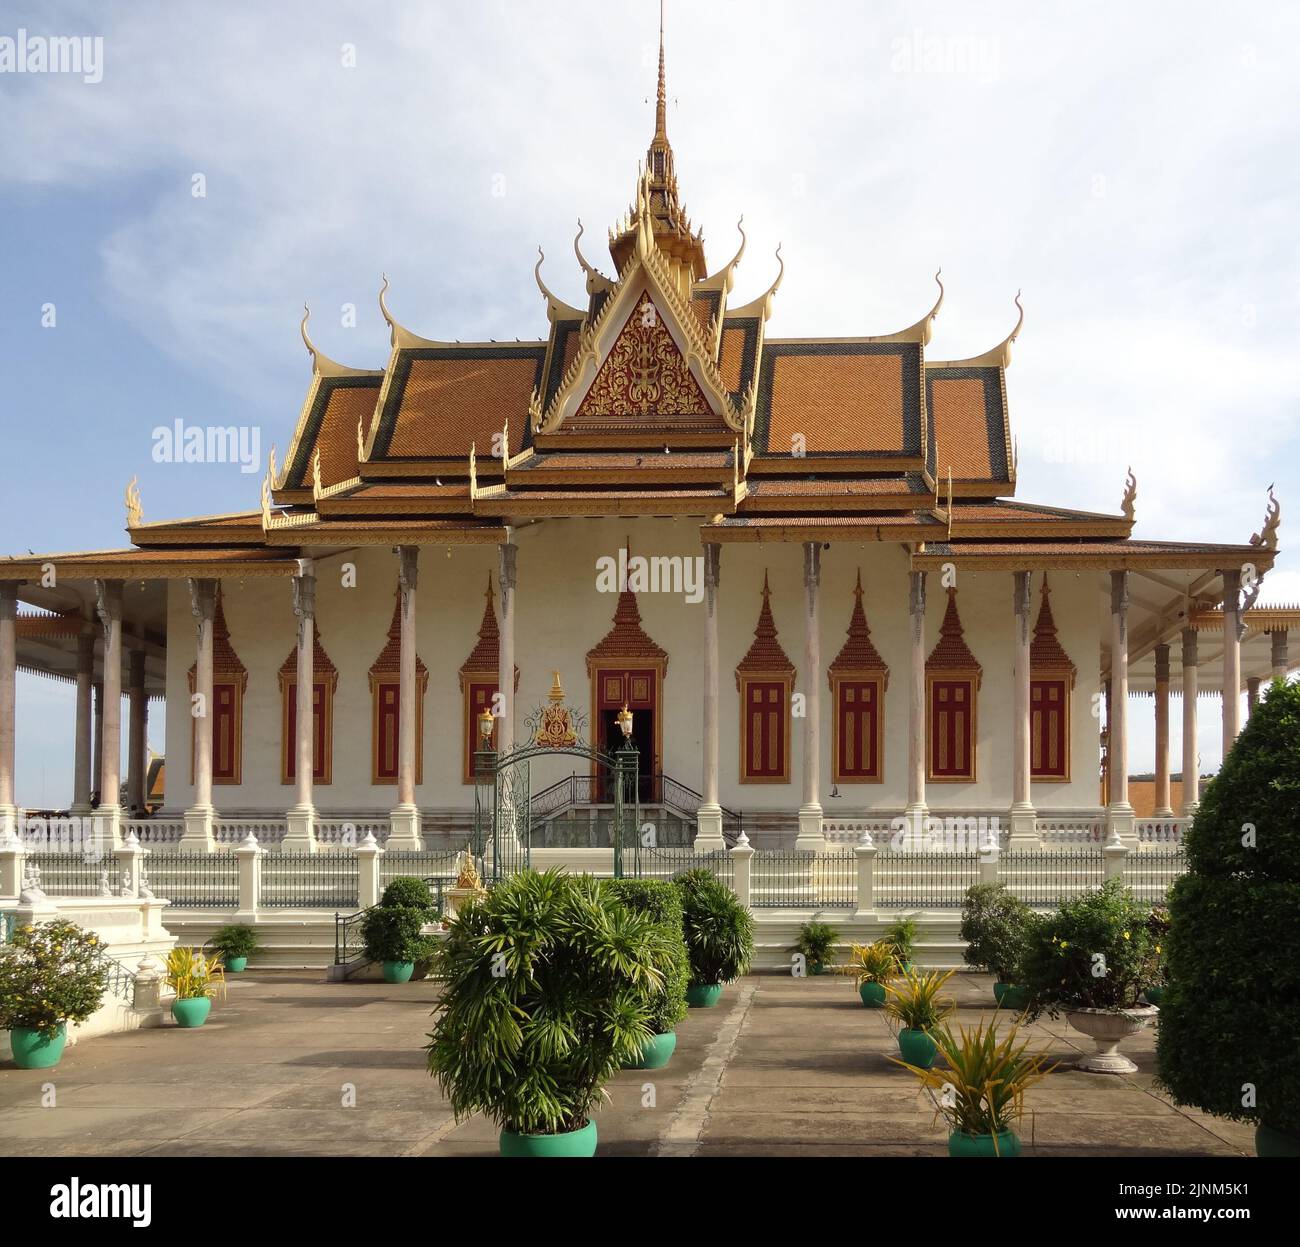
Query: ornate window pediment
x=952, y=678
x=858, y=679
x=1051, y=688
x=325, y=678
x=764, y=679
x=229, y=682
x=386, y=700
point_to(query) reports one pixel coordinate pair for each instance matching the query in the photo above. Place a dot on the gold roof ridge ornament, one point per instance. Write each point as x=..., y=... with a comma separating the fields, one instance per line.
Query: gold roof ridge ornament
x=134, y=511
x=555, y=727
x=998, y=357
x=556, y=308
x=321, y=364
x=1128, y=505
x=762, y=306
x=596, y=280
x=1266, y=538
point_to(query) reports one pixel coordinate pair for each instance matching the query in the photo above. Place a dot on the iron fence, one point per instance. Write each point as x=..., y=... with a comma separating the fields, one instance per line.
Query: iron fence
x=798, y=879
x=74, y=874
x=310, y=881
x=665, y=863
x=431, y=865
x=1045, y=877
x=1149, y=872
x=924, y=880
x=194, y=880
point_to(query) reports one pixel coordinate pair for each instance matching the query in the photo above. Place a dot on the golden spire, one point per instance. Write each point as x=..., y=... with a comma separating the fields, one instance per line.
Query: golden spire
x=661, y=99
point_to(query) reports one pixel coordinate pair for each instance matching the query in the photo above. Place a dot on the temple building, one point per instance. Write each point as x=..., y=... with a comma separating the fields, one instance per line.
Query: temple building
x=798, y=563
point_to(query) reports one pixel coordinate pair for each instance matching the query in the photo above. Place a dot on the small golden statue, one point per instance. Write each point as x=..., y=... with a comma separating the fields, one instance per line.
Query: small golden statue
x=467, y=876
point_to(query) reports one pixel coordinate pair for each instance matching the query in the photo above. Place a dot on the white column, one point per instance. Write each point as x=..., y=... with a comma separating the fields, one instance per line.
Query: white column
x=1162, y=807
x=97, y=760
x=1191, y=753
x=404, y=832
x=708, y=818
x=1119, y=814
x=1024, y=822
x=916, y=809
x=197, y=836
x=1231, y=659
x=1278, y=657
x=300, y=832
x=139, y=707
x=8, y=706
x=506, y=650
x=83, y=744
x=1252, y=695
x=109, y=819
x=810, y=812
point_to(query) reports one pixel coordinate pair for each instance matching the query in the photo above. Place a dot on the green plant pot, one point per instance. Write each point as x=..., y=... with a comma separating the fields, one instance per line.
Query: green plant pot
x=916, y=1047
x=1011, y=997
x=236, y=965
x=398, y=971
x=192, y=1011
x=572, y=1143
x=656, y=1054
x=816, y=967
x=703, y=995
x=905, y=967
x=1270, y=1142
x=1154, y=995
x=32, y=1050
x=873, y=994
x=962, y=1144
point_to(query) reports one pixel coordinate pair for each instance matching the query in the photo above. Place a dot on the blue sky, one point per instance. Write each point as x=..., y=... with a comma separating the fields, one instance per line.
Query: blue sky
x=1132, y=168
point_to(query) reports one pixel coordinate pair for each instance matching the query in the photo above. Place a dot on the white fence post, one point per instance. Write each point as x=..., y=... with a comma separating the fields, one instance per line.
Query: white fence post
x=130, y=861
x=249, y=856
x=12, y=857
x=865, y=854
x=1115, y=853
x=368, y=855
x=742, y=857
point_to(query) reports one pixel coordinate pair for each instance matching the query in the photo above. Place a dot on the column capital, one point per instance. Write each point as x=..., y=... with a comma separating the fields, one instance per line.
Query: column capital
x=1162, y=662
x=407, y=567
x=509, y=566
x=1278, y=658
x=916, y=594
x=812, y=564
x=135, y=669
x=108, y=601
x=203, y=599
x=1118, y=592
x=1189, y=647
x=1021, y=592
x=9, y=599
x=304, y=591
x=712, y=564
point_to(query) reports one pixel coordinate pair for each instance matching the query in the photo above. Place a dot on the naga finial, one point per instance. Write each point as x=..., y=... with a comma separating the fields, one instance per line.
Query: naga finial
x=1266, y=538
x=134, y=512
x=1128, y=504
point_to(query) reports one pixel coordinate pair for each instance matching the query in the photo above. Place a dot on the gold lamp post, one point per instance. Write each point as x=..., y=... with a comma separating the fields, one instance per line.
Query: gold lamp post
x=624, y=721
x=486, y=723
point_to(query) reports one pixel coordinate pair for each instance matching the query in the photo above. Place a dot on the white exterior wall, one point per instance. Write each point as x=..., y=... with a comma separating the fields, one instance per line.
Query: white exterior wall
x=560, y=616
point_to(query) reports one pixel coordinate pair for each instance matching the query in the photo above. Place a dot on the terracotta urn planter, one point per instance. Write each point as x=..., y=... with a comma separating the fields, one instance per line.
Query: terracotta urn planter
x=1107, y=1028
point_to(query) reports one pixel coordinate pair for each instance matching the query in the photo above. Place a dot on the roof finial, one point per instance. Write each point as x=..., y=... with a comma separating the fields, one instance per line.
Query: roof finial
x=661, y=99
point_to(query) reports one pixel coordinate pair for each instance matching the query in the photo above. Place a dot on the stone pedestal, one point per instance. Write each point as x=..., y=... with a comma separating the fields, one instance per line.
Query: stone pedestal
x=300, y=830
x=197, y=836
x=404, y=833
x=811, y=836
x=708, y=829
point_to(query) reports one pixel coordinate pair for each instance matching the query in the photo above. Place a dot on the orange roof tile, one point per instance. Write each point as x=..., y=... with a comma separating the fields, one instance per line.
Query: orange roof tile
x=836, y=403
x=733, y=351
x=960, y=430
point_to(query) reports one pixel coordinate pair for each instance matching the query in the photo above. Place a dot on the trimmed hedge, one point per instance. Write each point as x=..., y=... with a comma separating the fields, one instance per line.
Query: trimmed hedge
x=1230, y=1017
x=660, y=900
x=407, y=891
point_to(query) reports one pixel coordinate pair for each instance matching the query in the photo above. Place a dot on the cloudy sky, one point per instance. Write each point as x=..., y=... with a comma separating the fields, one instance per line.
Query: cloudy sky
x=1132, y=168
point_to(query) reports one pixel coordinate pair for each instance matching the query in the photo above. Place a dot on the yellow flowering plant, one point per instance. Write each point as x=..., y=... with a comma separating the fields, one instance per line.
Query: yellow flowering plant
x=50, y=974
x=190, y=974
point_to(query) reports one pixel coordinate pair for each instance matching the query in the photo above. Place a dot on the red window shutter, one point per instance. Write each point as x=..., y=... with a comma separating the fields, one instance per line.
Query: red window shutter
x=765, y=715
x=387, y=725
x=951, y=704
x=1048, y=725
x=225, y=745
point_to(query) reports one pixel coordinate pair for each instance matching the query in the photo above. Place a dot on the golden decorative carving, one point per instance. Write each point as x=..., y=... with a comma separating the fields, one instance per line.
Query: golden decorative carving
x=555, y=731
x=645, y=373
x=134, y=512
x=1128, y=505
x=1267, y=536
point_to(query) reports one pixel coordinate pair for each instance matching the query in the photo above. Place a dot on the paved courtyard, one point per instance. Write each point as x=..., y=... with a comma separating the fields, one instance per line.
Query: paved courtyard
x=290, y=1065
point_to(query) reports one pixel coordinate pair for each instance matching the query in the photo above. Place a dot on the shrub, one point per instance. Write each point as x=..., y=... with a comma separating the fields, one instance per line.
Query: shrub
x=1095, y=952
x=719, y=930
x=900, y=935
x=392, y=933
x=408, y=892
x=547, y=988
x=235, y=940
x=871, y=963
x=1230, y=1016
x=191, y=975
x=51, y=973
x=816, y=939
x=979, y=1081
x=996, y=927
x=917, y=1004
x=661, y=901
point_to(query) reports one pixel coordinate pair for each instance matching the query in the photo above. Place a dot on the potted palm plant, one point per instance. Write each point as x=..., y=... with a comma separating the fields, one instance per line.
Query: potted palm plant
x=996, y=927
x=236, y=943
x=816, y=939
x=1091, y=960
x=195, y=979
x=872, y=966
x=659, y=899
x=901, y=935
x=979, y=1085
x=548, y=981
x=719, y=935
x=51, y=974
x=917, y=1006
